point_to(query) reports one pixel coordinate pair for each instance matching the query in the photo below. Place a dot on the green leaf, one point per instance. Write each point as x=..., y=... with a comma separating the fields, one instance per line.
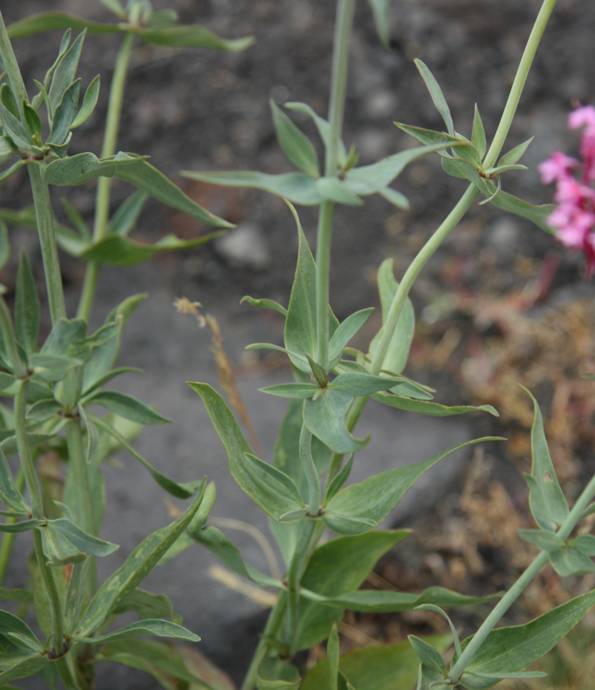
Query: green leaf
x=358, y=384
x=381, y=11
x=517, y=647
x=149, y=626
x=32, y=121
x=27, y=310
x=295, y=187
x=16, y=634
x=429, y=408
x=146, y=604
x=325, y=418
x=544, y=539
x=264, y=303
x=9, y=492
x=77, y=538
x=427, y=655
x=537, y=214
x=300, y=324
x=22, y=666
x=65, y=114
x=56, y=21
x=121, y=251
x=126, y=406
x=546, y=498
x=376, y=667
x=134, y=569
x=568, y=561
x=179, y=490
x=4, y=245
x=82, y=167
x=333, y=652
x=436, y=94
x=294, y=143
x=89, y=103
x=322, y=125
x=125, y=218
x=515, y=154
x=64, y=73
x=16, y=527
x=193, y=36
x=292, y=391
x=334, y=189
x=375, y=178
x=340, y=565
x=277, y=674
x=478, y=136
x=432, y=137
x=269, y=487
x=347, y=330
x=375, y=497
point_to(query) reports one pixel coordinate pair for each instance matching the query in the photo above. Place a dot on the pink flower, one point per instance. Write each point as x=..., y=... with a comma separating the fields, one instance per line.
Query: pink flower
x=574, y=216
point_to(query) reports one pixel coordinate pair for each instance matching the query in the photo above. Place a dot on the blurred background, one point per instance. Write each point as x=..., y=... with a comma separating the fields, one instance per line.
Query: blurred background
x=502, y=303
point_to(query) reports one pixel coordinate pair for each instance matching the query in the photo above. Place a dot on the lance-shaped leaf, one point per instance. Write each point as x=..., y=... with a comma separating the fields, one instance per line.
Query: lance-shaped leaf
x=26, y=307
x=137, y=171
x=430, y=408
x=381, y=12
x=126, y=406
x=515, y=648
x=325, y=418
x=546, y=498
x=376, y=667
x=295, y=187
x=64, y=542
x=56, y=21
x=264, y=303
x=269, y=487
x=340, y=565
x=322, y=125
x=568, y=561
x=63, y=73
x=192, y=36
x=300, y=324
x=134, y=569
x=381, y=601
x=374, y=498
x=478, y=135
x=122, y=251
x=21, y=653
x=537, y=214
x=436, y=94
x=21, y=526
x=127, y=214
x=358, y=384
x=9, y=493
x=346, y=330
x=400, y=345
x=150, y=626
x=146, y=605
x=177, y=489
x=429, y=137
x=294, y=143
x=88, y=105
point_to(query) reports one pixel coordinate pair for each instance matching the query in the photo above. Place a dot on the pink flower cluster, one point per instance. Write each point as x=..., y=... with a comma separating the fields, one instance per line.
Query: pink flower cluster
x=574, y=217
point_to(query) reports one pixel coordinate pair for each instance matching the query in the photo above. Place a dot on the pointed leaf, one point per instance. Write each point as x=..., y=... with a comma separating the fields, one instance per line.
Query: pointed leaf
x=89, y=103
x=9, y=492
x=125, y=218
x=538, y=214
x=334, y=189
x=295, y=144
x=478, y=136
x=325, y=418
x=192, y=36
x=436, y=94
x=126, y=406
x=149, y=626
x=515, y=154
x=56, y=21
x=264, y=303
x=322, y=125
x=429, y=408
x=381, y=11
x=346, y=330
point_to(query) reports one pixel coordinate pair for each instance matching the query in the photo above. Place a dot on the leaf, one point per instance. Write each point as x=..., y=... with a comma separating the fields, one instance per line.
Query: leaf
x=64, y=73
x=89, y=103
x=82, y=167
x=65, y=114
x=430, y=408
x=381, y=11
x=374, y=178
x=269, y=487
x=22, y=666
x=478, y=136
x=322, y=125
x=264, y=303
x=148, y=626
x=126, y=406
x=568, y=561
x=146, y=604
x=15, y=634
x=546, y=499
x=431, y=136
x=4, y=245
x=27, y=310
x=347, y=330
x=179, y=490
x=375, y=497
x=325, y=418
x=376, y=667
x=436, y=94
x=515, y=154
x=294, y=143
x=64, y=542
x=16, y=527
x=56, y=21
x=427, y=655
x=295, y=391
x=517, y=647
x=537, y=214
x=400, y=345
x=358, y=384
x=340, y=565
x=295, y=187
x=134, y=569
x=9, y=492
x=544, y=539
x=334, y=189
x=277, y=674
x=193, y=36
x=125, y=218
x=300, y=324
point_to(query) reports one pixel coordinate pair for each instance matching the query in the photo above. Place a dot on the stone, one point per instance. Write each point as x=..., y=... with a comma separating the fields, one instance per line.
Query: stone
x=245, y=247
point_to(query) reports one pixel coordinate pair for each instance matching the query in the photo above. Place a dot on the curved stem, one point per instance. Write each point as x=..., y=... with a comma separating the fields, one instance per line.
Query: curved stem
x=344, y=23
x=47, y=240
x=110, y=141
x=520, y=585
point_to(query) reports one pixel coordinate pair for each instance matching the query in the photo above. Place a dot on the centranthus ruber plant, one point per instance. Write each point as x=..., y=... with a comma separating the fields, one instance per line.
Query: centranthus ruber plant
x=327, y=527
x=574, y=217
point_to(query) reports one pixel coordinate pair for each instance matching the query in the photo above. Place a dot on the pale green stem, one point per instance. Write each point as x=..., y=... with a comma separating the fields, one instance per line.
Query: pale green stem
x=110, y=142
x=521, y=584
x=47, y=240
x=458, y=212
x=345, y=10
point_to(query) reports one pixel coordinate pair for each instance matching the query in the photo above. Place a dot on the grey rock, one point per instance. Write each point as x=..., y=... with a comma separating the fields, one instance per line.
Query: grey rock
x=245, y=247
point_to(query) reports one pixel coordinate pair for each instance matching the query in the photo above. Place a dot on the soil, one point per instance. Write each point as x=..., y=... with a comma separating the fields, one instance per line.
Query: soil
x=499, y=296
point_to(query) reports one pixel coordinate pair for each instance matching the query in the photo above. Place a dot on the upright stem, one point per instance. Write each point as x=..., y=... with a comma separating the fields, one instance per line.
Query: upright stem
x=520, y=585
x=344, y=23
x=110, y=142
x=47, y=240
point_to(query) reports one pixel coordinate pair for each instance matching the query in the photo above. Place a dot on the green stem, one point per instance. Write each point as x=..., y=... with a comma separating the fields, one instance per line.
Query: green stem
x=520, y=585
x=11, y=67
x=271, y=630
x=110, y=141
x=344, y=23
x=458, y=212
x=47, y=240
x=34, y=485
